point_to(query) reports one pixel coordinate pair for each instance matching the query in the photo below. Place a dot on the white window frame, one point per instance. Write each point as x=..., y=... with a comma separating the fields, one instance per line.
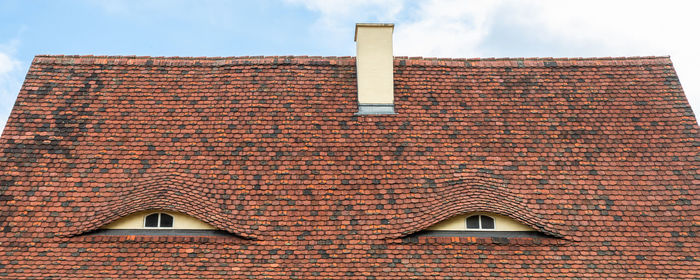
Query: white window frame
x=480, y=227
x=159, y=215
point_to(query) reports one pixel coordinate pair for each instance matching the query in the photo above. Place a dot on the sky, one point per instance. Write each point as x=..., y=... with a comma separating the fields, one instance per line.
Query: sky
x=427, y=28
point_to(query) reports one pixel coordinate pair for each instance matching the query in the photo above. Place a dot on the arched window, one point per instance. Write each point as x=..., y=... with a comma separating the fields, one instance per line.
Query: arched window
x=158, y=220
x=477, y=222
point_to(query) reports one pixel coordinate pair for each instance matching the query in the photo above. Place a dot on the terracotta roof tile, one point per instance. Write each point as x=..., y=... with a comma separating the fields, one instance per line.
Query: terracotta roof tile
x=598, y=153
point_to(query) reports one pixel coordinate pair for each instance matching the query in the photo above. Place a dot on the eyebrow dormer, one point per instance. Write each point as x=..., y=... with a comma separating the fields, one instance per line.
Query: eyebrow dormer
x=159, y=222
x=158, y=219
x=480, y=224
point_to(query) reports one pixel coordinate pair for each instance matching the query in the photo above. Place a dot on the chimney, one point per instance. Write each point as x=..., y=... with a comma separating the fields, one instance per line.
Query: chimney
x=375, y=68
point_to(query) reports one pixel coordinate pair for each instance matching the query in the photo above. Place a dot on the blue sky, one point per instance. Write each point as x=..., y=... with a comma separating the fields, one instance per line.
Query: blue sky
x=429, y=28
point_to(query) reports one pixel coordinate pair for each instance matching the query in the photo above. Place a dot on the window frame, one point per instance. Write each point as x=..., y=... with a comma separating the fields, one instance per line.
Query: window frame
x=480, y=223
x=160, y=214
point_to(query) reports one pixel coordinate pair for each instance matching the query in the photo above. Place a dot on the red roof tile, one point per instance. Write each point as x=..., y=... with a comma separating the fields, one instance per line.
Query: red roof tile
x=599, y=154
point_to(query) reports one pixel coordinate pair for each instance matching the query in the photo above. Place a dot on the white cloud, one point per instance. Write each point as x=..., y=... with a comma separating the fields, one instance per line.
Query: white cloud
x=629, y=25
x=337, y=18
x=8, y=64
x=11, y=72
x=334, y=12
x=445, y=29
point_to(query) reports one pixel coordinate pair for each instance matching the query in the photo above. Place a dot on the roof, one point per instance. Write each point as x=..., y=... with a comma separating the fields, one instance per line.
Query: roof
x=599, y=154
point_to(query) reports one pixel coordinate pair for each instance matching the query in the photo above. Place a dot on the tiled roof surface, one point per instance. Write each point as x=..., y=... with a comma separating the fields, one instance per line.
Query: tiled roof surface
x=599, y=154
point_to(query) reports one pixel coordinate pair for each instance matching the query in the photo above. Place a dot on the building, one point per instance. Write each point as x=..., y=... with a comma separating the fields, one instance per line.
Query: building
x=378, y=167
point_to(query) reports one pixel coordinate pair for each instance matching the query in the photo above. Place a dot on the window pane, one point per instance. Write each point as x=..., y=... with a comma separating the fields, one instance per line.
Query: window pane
x=486, y=222
x=152, y=220
x=166, y=220
x=473, y=222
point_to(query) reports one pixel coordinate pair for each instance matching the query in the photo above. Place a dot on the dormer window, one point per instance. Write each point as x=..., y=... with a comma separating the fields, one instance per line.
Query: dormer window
x=480, y=222
x=158, y=220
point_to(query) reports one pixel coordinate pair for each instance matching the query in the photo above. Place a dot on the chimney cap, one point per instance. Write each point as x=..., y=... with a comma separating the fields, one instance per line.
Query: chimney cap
x=358, y=25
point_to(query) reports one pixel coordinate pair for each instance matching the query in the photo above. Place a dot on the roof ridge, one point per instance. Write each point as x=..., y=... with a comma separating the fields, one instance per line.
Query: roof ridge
x=350, y=60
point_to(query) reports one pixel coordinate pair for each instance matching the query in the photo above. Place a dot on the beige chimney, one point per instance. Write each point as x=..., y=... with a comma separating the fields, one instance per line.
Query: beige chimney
x=375, y=68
